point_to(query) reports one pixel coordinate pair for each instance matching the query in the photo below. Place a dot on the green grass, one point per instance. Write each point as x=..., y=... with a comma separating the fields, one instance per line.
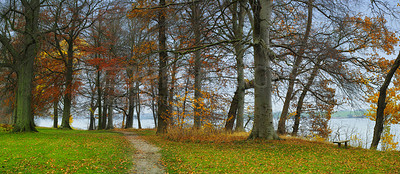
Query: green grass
x=64, y=151
x=283, y=156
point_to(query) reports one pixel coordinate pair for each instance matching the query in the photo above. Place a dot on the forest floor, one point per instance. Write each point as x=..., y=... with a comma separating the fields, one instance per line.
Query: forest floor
x=147, y=157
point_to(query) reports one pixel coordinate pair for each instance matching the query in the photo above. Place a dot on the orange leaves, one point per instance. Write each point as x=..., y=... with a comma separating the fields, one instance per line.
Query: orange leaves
x=372, y=32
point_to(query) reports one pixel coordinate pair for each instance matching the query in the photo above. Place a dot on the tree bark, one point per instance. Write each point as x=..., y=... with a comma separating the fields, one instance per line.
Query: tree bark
x=293, y=74
x=380, y=117
x=238, y=26
x=24, y=117
x=263, y=119
x=55, y=114
x=65, y=124
x=99, y=99
x=232, y=113
x=162, y=113
x=138, y=105
x=110, y=123
x=197, y=64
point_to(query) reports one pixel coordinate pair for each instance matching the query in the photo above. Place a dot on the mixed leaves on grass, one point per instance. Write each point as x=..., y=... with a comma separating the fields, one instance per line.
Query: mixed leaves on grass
x=289, y=155
x=61, y=151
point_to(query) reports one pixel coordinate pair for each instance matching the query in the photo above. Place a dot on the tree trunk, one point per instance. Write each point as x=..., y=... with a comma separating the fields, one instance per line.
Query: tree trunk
x=131, y=107
x=263, y=126
x=162, y=113
x=293, y=74
x=55, y=113
x=138, y=105
x=299, y=108
x=110, y=124
x=197, y=64
x=380, y=117
x=238, y=26
x=172, y=90
x=153, y=106
x=68, y=87
x=24, y=117
x=99, y=99
x=105, y=112
x=92, y=119
x=232, y=113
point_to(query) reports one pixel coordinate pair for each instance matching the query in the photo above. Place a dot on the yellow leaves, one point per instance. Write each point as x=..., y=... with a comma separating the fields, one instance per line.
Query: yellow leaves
x=388, y=143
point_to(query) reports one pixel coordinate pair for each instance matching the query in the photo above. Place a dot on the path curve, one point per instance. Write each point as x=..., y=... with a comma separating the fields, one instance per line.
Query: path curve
x=147, y=158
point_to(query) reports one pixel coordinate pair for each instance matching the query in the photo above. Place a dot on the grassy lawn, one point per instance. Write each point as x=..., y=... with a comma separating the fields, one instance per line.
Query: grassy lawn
x=284, y=156
x=63, y=151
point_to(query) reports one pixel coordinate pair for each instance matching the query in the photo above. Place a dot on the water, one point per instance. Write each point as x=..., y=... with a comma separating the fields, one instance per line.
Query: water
x=358, y=130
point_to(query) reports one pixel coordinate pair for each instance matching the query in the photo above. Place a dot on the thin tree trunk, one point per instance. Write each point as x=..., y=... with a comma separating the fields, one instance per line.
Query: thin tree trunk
x=293, y=74
x=153, y=106
x=105, y=111
x=299, y=108
x=263, y=126
x=232, y=112
x=380, y=112
x=162, y=113
x=55, y=114
x=239, y=52
x=197, y=64
x=138, y=105
x=99, y=99
x=172, y=90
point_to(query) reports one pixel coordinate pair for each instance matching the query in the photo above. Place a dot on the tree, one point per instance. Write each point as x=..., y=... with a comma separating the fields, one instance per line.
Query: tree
x=380, y=111
x=68, y=27
x=24, y=59
x=263, y=124
x=293, y=74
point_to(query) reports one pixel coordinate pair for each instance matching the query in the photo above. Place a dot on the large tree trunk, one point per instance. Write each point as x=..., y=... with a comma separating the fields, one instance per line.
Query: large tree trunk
x=197, y=64
x=238, y=26
x=55, y=114
x=162, y=113
x=263, y=126
x=380, y=117
x=293, y=74
x=131, y=107
x=24, y=117
x=68, y=86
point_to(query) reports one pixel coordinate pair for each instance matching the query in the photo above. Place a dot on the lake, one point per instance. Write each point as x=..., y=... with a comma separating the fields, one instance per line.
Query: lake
x=358, y=130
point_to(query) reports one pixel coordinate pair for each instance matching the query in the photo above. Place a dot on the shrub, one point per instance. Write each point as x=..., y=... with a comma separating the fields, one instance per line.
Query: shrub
x=5, y=128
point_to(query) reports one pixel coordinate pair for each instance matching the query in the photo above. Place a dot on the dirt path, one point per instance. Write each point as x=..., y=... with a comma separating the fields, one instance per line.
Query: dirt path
x=146, y=159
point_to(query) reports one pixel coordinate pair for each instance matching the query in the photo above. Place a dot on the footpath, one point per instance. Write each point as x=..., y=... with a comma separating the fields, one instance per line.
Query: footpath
x=147, y=158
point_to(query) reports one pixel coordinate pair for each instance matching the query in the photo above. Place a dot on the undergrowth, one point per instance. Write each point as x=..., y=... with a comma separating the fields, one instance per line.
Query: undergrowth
x=207, y=134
